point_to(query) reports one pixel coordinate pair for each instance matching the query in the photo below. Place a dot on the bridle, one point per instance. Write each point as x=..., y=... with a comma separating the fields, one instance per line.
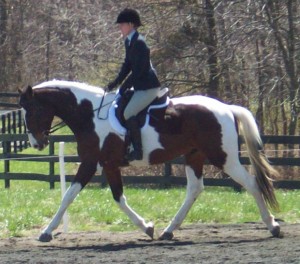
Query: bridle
x=56, y=127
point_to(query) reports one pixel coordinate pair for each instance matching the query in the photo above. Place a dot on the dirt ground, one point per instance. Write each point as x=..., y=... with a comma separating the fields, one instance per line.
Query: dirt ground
x=201, y=243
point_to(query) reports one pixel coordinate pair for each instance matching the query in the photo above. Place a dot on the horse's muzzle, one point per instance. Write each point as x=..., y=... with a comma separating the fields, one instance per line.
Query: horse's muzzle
x=38, y=142
x=41, y=146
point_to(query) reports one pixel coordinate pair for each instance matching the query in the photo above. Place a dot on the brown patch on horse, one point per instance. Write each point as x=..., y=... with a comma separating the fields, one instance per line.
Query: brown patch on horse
x=195, y=160
x=111, y=158
x=112, y=151
x=186, y=129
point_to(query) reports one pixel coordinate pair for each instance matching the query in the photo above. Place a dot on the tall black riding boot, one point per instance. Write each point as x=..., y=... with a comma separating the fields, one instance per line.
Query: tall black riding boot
x=135, y=138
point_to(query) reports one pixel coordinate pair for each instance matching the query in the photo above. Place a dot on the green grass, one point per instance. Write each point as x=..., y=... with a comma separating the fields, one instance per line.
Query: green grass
x=28, y=206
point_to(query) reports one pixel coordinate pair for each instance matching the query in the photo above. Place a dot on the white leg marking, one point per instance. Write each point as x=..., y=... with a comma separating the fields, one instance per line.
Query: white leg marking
x=248, y=181
x=194, y=188
x=32, y=140
x=68, y=198
x=135, y=218
x=99, y=169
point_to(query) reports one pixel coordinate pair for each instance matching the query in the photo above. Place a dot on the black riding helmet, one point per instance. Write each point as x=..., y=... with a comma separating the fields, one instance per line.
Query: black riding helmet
x=129, y=16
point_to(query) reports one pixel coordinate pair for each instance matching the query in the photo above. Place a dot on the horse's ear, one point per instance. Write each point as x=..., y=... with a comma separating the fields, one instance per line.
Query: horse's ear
x=27, y=91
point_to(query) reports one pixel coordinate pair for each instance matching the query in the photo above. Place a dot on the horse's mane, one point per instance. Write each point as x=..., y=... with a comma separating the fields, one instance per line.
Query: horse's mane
x=70, y=85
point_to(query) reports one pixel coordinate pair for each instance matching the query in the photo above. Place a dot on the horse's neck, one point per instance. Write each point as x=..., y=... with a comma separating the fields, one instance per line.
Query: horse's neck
x=73, y=108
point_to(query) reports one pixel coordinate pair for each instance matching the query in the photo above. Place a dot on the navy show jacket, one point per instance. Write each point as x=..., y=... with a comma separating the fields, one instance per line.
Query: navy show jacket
x=137, y=63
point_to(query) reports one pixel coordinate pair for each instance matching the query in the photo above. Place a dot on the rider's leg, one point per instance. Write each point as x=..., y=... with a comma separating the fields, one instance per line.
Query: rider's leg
x=134, y=132
x=139, y=101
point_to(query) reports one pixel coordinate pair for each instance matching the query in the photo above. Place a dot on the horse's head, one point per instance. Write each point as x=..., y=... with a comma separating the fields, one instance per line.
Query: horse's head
x=38, y=116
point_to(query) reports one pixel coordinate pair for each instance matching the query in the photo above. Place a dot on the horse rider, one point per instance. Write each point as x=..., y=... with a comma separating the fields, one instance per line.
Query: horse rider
x=139, y=74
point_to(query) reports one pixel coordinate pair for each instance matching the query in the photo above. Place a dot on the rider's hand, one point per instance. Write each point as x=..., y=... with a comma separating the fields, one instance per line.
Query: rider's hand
x=122, y=90
x=111, y=85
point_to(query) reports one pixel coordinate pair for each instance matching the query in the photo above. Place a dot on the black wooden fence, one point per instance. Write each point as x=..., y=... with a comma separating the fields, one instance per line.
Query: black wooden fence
x=8, y=155
x=12, y=123
x=9, y=100
x=12, y=120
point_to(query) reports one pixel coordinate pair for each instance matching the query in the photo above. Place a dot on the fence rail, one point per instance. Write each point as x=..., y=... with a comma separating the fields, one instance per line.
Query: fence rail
x=168, y=179
x=12, y=123
x=10, y=100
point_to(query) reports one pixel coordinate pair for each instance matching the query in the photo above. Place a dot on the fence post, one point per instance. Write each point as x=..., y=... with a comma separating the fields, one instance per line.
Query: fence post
x=14, y=129
x=63, y=182
x=6, y=151
x=8, y=123
x=19, y=125
x=51, y=165
x=5, y=146
x=103, y=180
x=167, y=176
x=3, y=121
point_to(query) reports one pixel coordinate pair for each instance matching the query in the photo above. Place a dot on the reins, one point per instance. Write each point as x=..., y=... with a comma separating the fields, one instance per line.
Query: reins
x=101, y=106
x=57, y=127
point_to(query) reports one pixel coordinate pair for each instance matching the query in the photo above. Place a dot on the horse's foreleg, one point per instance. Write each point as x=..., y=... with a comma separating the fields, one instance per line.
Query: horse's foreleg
x=147, y=228
x=68, y=198
x=116, y=185
x=194, y=187
x=85, y=172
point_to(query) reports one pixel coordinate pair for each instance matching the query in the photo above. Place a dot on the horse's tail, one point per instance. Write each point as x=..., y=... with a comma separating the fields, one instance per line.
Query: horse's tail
x=263, y=171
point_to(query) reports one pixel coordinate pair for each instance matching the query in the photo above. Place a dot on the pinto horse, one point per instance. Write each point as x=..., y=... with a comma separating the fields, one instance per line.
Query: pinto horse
x=197, y=128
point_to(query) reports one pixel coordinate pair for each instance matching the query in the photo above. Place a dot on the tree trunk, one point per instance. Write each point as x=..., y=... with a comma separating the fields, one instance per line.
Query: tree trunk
x=260, y=108
x=48, y=44
x=211, y=43
x=287, y=48
x=3, y=34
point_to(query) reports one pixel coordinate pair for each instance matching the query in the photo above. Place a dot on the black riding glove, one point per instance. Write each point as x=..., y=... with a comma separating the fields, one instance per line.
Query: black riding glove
x=122, y=91
x=111, y=85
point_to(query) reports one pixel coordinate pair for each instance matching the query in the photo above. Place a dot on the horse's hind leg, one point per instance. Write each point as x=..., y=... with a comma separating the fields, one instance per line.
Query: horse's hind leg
x=238, y=173
x=194, y=188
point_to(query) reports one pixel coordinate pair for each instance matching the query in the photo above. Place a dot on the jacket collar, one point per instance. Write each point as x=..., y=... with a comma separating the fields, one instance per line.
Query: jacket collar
x=133, y=38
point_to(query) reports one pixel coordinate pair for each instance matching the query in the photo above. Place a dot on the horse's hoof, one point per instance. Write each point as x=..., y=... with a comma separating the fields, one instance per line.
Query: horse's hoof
x=150, y=231
x=166, y=236
x=276, y=232
x=45, y=237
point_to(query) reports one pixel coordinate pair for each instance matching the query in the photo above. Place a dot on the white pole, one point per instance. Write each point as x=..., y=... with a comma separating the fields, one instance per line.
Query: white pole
x=63, y=182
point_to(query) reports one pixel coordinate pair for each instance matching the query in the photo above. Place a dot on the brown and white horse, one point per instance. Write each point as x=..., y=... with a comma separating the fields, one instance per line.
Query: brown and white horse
x=195, y=127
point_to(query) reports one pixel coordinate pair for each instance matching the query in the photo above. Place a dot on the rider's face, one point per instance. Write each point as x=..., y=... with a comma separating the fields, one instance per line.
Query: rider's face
x=126, y=28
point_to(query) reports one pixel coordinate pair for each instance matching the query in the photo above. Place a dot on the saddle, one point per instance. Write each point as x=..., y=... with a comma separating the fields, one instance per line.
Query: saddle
x=156, y=109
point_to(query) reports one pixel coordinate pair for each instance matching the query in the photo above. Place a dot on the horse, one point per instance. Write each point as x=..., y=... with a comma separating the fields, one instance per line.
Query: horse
x=197, y=128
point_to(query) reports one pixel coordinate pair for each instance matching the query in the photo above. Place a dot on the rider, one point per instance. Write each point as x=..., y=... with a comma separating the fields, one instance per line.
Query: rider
x=142, y=77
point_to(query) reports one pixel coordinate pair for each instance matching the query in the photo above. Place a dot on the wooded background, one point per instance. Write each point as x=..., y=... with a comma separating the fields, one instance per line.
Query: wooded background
x=242, y=52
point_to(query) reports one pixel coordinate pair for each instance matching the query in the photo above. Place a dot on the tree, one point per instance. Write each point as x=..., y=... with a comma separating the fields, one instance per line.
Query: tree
x=3, y=37
x=242, y=52
x=282, y=13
